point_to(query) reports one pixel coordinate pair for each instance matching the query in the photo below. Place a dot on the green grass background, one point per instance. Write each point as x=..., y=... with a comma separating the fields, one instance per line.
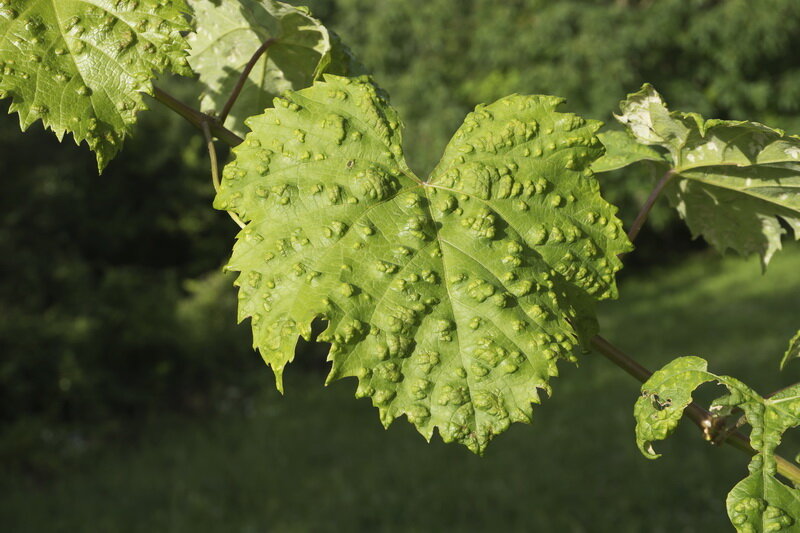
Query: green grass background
x=318, y=460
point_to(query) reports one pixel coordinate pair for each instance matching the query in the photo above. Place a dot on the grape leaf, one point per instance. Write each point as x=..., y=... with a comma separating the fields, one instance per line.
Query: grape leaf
x=80, y=65
x=735, y=181
x=760, y=502
x=450, y=299
x=229, y=33
x=793, y=351
x=622, y=150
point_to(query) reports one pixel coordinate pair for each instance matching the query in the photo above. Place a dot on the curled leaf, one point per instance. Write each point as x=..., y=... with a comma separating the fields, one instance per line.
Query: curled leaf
x=736, y=182
x=760, y=502
x=793, y=351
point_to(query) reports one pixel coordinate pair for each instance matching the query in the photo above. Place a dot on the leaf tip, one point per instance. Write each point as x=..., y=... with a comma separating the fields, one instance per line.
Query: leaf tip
x=648, y=451
x=278, y=378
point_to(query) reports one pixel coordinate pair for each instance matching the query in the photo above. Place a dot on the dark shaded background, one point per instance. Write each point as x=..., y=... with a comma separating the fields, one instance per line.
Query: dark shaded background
x=112, y=309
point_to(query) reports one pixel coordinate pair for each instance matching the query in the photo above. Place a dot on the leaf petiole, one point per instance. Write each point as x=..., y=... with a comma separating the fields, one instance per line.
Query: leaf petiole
x=212, y=155
x=641, y=218
x=243, y=78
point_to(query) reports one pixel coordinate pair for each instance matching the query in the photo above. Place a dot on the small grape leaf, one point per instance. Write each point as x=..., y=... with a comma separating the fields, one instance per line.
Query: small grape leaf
x=80, y=65
x=229, y=33
x=450, y=299
x=623, y=150
x=760, y=502
x=734, y=181
x=793, y=351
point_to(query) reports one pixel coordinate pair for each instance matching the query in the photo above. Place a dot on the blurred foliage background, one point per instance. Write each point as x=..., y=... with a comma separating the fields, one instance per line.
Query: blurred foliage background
x=113, y=310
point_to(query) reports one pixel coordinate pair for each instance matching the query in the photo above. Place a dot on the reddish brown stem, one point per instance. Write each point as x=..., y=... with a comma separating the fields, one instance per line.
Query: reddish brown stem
x=243, y=78
x=641, y=218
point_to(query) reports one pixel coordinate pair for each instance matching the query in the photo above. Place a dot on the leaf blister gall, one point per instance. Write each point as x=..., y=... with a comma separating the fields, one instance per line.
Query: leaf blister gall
x=449, y=305
x=81, y=69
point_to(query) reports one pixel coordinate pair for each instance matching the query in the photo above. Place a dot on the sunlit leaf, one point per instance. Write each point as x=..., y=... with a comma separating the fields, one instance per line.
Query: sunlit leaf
x=80, y=66
x=450, y=299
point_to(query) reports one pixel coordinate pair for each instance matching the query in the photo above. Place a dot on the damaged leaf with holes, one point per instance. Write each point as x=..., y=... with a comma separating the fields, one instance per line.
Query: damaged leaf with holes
x=736, y=183
x=80, y=66
x=450, y=299
x=227, y=35
x=760, y=502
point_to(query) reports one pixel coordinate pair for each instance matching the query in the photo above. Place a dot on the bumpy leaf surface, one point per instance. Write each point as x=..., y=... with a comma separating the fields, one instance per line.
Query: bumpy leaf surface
x=760, y=502
x=229, y=33
x=81, y=65
x=449, y=299
x=735, y=181
x=793, y=351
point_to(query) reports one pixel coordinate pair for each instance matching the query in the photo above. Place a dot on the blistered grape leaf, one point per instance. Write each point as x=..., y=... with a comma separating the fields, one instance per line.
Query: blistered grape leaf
x=761, y=501
x=735, y=181
x=793, y=351
x=622, y=150
x=229, y=33
x=81, y=65
x=450, y=299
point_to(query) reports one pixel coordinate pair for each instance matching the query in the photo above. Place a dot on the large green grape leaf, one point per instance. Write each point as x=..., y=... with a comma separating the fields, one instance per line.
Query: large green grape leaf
x=760, y=502
x=81, y=65
x=229, y=33
x=793, y=351
x=450, y=299
x=735, y=181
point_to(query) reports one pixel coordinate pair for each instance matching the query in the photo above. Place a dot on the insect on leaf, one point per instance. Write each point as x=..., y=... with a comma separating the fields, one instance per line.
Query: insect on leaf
x=450, y=299
x=80, y=66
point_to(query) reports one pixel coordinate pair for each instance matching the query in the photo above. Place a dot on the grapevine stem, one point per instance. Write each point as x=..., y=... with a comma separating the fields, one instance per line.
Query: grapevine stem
x=640, y=219
x=212, y=155
x=701, y=417
x=197, y=118
x=619, y=358
x=243, y=78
